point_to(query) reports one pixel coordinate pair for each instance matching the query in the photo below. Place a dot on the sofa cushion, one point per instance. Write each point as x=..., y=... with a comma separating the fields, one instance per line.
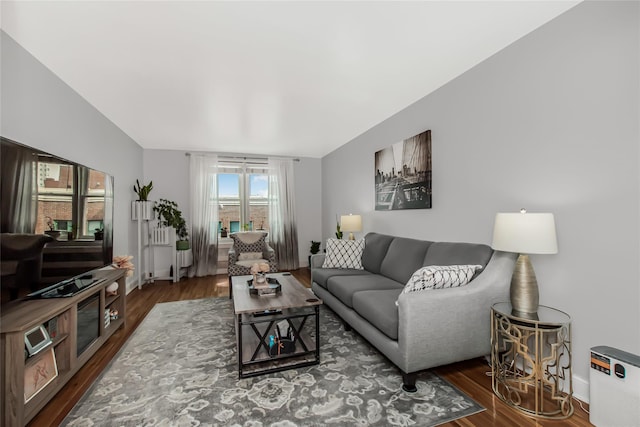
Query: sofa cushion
x=344, y=254
x=375, y=248
x=440, y=277
x=379, y=308
x=403, y=258
x=321, y=275
x=448, y=253
x=343, y=287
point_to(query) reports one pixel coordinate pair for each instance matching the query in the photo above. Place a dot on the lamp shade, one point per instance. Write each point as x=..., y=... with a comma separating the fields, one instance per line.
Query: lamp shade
x=351, y=223
x=525, y=233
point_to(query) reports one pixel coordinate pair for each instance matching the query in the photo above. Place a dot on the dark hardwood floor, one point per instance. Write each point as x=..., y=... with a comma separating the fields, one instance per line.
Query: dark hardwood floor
x=469, y=376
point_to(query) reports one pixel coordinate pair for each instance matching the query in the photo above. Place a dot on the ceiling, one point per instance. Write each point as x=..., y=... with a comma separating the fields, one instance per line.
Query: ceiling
x=280, y=78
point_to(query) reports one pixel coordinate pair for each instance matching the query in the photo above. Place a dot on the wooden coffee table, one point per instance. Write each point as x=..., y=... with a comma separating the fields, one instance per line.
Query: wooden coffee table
x=256, y=319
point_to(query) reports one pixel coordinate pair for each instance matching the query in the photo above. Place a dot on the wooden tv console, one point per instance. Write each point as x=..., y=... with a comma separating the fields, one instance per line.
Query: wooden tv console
x=21, y=316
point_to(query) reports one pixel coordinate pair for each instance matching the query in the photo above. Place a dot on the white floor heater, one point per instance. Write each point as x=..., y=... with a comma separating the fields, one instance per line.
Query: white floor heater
x=614, y=388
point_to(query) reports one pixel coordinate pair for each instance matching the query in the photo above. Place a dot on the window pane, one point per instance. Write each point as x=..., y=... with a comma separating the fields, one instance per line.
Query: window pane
x=229, y=201
x=228, y=185
x=93, y=203
x=258, y=209
x=55, y=193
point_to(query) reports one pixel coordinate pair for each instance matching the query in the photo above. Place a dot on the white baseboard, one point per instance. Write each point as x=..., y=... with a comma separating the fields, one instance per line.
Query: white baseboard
x=580, y=389
x=131, y=285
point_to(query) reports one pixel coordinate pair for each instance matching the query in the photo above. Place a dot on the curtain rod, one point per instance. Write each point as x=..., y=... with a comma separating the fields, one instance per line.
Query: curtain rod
x=242, y=157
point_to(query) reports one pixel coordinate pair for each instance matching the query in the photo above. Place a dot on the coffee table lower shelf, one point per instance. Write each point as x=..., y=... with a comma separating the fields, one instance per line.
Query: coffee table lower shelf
x=252, y=334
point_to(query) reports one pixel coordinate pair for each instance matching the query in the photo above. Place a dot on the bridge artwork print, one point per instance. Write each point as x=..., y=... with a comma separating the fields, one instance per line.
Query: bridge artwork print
x=403, y=174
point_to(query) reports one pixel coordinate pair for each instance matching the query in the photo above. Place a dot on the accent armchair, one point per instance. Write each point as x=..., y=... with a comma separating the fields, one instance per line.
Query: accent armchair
x=249, y=247
x=21, y=261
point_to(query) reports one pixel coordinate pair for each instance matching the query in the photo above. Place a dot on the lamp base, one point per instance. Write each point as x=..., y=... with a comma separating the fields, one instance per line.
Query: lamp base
x=351, y=236
x=524, y=287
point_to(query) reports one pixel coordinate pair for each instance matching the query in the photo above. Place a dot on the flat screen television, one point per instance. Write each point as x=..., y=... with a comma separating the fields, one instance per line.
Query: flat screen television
x=41, y=193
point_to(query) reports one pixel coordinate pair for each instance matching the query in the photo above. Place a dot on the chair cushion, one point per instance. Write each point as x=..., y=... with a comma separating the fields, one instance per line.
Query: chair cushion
x=343, y=287
x=243, y=256
x=249, y=262
x=379, y=308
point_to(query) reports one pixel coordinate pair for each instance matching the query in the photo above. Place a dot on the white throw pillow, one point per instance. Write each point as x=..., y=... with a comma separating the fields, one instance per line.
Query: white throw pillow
x=344, y=254
x=244, y=256
x=440, y=277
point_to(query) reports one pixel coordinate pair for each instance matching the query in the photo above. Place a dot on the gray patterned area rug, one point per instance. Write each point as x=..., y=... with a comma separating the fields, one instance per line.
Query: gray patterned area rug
x=179, y=369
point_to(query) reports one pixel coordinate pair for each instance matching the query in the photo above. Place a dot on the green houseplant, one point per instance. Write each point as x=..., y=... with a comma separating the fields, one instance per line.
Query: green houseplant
x=169, y=215
x=338, y=231
x=99, y=233
x=315, y=248
x=142, y=191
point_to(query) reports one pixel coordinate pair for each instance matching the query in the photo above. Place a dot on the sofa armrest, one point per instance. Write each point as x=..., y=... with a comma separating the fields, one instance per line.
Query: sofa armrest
x=436, y=324
x=317, y=260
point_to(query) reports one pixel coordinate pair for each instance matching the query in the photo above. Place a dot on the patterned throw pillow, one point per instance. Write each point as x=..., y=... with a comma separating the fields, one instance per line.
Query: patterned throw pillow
x=440, y=277
x=344, y=254
x=248, y=242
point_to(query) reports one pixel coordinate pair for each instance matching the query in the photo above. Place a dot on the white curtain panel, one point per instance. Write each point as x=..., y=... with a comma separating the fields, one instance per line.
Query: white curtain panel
x=204, y=214
x=19, y=190
x=283, y=234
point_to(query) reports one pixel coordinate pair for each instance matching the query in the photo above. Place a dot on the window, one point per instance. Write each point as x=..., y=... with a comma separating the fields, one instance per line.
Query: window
x=55, y=196
x=92, y=202
x=242, y=197
x=68, y=195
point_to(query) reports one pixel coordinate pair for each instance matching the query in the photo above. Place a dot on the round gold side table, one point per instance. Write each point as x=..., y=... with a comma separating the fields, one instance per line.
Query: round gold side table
x=531, y=360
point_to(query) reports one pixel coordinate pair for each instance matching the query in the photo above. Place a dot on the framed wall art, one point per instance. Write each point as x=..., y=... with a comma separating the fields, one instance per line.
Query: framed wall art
x=403, y=174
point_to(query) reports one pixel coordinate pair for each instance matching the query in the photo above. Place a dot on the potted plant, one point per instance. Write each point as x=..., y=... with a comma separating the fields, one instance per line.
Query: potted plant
x=99, y=234
x=315, y=248
x=51, y=225
x=141, y=208
x=169, y=215
x=338, y=232
x=224, y=232
x=143, y=191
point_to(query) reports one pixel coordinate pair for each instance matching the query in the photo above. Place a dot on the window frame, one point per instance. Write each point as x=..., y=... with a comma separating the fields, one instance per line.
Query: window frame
x=244, y=199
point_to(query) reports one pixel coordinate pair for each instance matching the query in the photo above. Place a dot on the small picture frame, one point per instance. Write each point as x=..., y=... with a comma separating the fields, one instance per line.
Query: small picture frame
x=36, y=339
x=39, y=372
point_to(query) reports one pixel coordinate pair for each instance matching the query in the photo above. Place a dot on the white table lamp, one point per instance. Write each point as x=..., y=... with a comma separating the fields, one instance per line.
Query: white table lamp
x=351, y=223
x=525, y=233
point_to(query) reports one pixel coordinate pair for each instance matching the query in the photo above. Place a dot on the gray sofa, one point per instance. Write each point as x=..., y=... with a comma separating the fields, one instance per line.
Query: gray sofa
x=427, y=328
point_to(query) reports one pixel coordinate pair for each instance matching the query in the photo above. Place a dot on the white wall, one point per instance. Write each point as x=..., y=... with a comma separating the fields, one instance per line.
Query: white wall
x=550, y=124
x=308, y=204
x=169, y=171
x=41, y=111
